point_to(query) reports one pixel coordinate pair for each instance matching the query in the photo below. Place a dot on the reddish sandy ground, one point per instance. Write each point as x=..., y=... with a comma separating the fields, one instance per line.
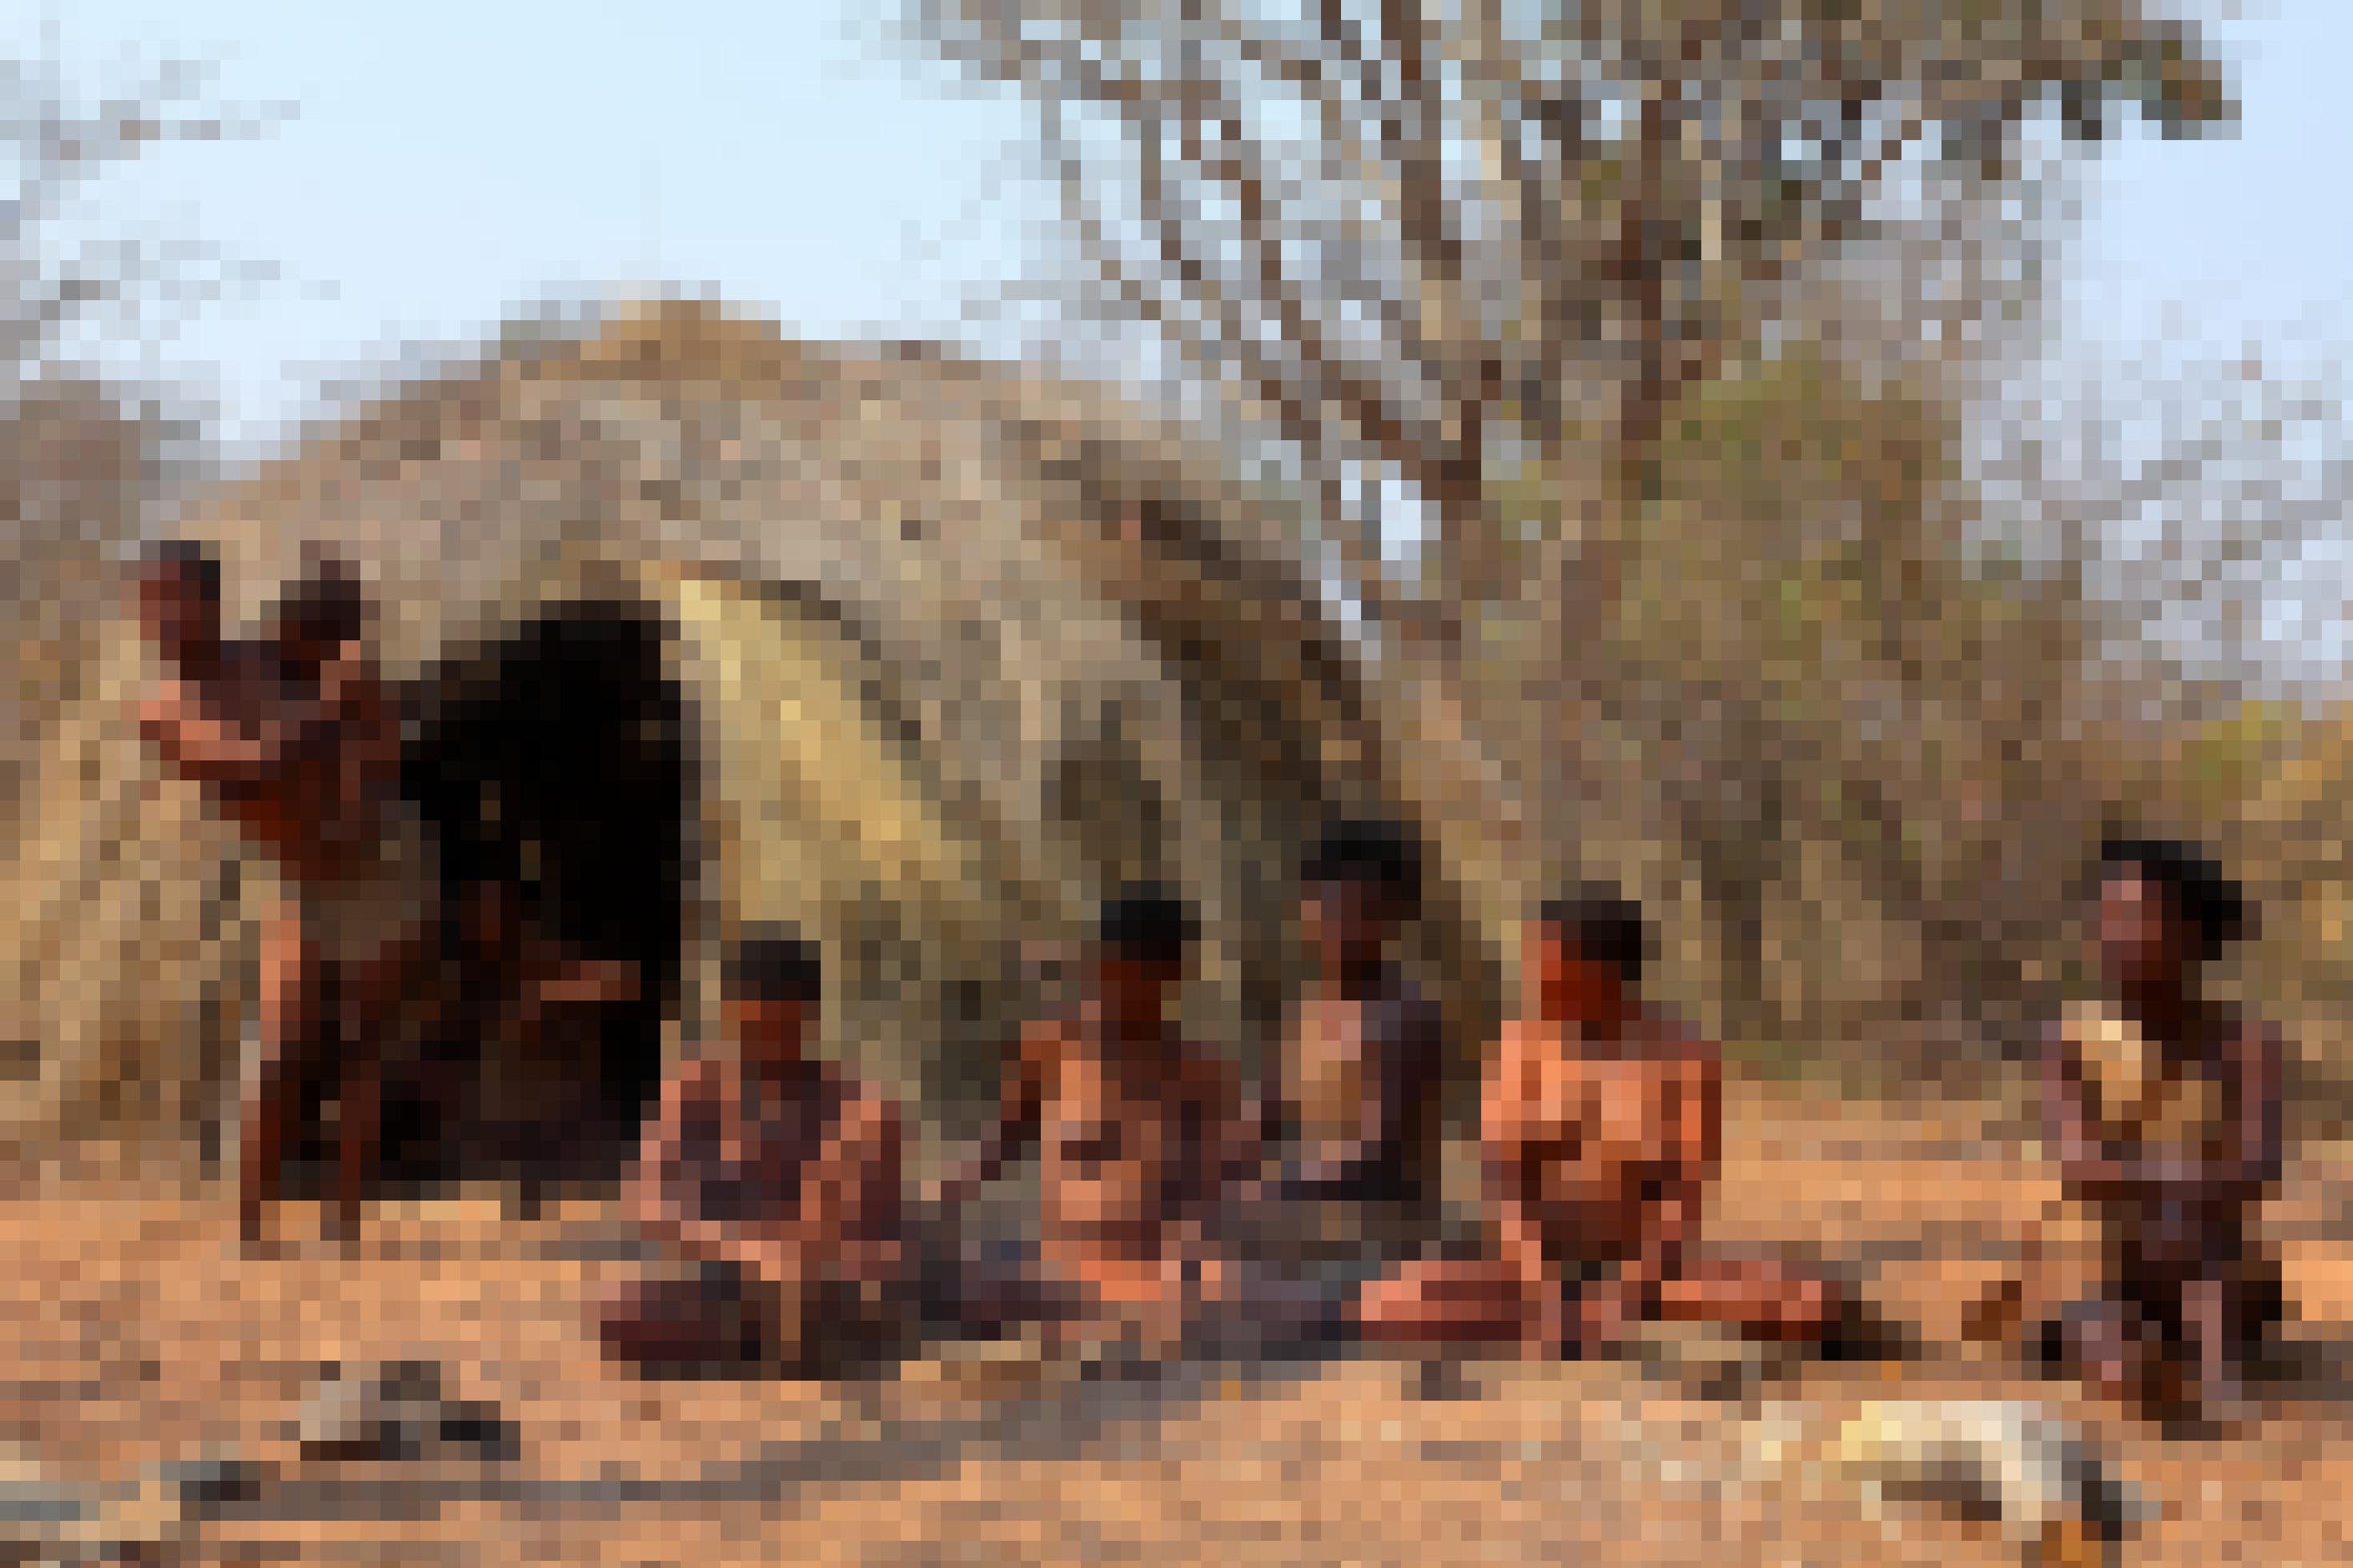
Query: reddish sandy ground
x=137, y=1334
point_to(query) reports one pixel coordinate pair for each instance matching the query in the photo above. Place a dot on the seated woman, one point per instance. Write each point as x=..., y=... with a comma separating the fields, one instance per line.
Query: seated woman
x=1137, y=1134
x=1601, y=1127
x=1352, y=1121
x=774, y=1181
x=2164, y=1109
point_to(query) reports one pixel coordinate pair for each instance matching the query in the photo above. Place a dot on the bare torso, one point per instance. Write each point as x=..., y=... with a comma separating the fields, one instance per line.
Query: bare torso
x=239, y=695
x=746, y=1149
x=343, y=775
x=315, y=784
x=1126, y=1150
x=1601, y=1154
x=1604, y=1136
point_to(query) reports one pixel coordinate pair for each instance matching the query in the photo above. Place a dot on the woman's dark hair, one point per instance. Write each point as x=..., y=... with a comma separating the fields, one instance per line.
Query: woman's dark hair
x=187, y=561
x=1379, y=856
x=774, y=963
x=1600, y=924
x=2197, y=892
x=328, y=607
x=1145, y=923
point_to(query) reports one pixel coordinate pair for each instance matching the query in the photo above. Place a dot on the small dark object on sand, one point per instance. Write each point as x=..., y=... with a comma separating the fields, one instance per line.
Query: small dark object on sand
x=399, y=1411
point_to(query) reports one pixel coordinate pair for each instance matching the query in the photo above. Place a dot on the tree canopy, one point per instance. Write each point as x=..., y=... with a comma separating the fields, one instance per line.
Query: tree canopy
x=1428, y=242
x=1654, y=308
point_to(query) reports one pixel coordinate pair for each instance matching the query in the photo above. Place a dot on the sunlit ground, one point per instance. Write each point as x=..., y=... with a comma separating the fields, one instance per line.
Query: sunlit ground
x=136, y=1334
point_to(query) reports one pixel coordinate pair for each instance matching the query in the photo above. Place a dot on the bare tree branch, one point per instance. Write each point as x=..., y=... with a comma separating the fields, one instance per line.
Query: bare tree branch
x=59, y=149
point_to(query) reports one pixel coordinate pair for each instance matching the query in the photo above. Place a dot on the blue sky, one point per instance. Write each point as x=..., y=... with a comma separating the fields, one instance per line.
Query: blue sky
x=451, y=161
x=2224, y=239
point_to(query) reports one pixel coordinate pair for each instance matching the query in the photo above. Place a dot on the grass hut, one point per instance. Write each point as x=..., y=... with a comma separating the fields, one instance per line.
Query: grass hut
x=921, y=653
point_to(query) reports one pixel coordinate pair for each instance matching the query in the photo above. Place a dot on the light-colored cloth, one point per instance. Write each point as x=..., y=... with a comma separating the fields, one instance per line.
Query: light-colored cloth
x=385, y=908
x=1396, y=1059
x=2140, y=1099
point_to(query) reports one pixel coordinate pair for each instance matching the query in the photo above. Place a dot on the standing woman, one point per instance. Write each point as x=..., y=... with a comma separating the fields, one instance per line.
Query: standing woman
x=2164, y=1109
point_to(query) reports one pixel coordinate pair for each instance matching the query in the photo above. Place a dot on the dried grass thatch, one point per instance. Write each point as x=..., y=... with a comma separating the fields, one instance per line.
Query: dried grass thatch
x=964, y=647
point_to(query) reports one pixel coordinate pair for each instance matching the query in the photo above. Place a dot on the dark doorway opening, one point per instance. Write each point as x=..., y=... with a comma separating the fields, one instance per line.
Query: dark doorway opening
x=553, y=766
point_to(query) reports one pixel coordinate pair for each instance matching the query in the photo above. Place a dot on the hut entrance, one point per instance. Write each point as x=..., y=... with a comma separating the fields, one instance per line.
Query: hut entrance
x=552, y=767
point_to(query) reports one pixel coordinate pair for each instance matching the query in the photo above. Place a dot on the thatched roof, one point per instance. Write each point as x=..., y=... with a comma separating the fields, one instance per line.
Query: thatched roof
x=1073, y=640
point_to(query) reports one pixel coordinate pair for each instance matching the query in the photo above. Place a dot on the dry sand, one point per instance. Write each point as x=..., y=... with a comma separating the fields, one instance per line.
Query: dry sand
x=136, y=1334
